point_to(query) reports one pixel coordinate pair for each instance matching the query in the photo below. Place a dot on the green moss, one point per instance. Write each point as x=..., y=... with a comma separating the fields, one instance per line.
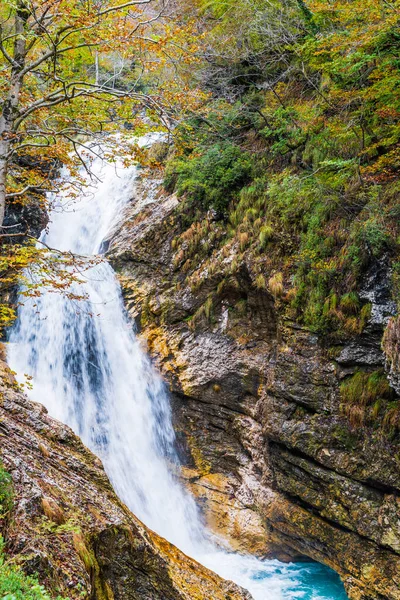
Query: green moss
x=85, y=554
x=208, y=308
x=146, y=315
x=202, y=465
x=365, y=315
x=6, y=492
x=345, y=437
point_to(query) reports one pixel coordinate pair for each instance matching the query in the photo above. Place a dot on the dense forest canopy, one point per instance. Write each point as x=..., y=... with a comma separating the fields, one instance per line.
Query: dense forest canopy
x=284, y=118
x=297, y=149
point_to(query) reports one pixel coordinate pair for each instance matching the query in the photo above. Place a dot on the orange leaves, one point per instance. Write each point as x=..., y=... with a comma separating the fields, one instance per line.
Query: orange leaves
x=389, y=114
x=385, y=168
x=89, y=68
x=38, y=268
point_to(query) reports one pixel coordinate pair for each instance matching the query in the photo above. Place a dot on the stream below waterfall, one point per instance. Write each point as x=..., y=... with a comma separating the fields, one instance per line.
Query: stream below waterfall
x=89, y=371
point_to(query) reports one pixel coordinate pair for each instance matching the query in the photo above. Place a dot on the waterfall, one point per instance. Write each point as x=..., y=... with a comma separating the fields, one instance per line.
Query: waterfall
x=90, y=372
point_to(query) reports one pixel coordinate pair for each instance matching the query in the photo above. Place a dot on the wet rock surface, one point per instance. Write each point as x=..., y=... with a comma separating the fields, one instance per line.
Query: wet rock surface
x=69, y=527
x=28, y=219
x=276, y=465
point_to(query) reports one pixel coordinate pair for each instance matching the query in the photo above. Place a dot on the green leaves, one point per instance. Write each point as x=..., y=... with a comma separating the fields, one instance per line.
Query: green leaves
x=212, y=178
x=15, y=585
x=6, y=494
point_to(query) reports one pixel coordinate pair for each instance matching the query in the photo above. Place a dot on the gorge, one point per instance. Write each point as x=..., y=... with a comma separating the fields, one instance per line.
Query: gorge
x=89, y=371
x=199, y=327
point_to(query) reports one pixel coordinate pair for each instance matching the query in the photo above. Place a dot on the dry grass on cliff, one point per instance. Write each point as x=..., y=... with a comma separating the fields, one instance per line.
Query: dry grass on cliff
x=368, y=399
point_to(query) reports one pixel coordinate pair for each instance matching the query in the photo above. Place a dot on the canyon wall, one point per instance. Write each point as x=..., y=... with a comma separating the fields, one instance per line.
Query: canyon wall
x=270, y=431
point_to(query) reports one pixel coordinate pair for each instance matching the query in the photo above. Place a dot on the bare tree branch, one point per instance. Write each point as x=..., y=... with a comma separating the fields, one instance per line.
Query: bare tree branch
x=28, y=188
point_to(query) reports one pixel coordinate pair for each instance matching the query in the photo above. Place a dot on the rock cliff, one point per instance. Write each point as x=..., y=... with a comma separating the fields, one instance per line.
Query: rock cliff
x=273, y=427
x=69, y=527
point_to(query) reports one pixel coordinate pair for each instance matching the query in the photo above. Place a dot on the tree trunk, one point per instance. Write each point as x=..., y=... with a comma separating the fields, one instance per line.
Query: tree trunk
x=11, y=103
x=3, y=176
x=97, y=67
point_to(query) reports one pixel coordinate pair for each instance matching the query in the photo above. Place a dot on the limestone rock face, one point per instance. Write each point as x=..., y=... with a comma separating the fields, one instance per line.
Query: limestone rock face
x=276, y=465
x=69, y=527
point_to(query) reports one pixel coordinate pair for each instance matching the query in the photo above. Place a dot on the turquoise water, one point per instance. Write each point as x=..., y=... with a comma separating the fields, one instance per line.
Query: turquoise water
x=305, y=581
x=274, y=580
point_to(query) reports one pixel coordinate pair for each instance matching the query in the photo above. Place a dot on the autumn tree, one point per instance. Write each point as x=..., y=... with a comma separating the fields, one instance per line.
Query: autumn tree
x=54, y=93
x=72, y=71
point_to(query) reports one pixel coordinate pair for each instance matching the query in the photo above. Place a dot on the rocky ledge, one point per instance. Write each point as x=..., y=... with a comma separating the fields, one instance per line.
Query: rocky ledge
x=69, y=527
x=280, y=464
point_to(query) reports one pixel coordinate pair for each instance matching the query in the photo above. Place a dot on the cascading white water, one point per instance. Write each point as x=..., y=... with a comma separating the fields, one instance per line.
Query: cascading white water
x=90, y=372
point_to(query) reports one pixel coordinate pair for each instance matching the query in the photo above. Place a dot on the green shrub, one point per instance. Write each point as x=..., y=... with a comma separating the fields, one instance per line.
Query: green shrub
x=376, y=237
x=15, y=585
x=212, y=179
x=6, y=492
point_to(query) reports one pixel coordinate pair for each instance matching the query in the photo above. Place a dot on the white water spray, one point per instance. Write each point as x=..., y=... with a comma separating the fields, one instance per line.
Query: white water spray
x=90, y=372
